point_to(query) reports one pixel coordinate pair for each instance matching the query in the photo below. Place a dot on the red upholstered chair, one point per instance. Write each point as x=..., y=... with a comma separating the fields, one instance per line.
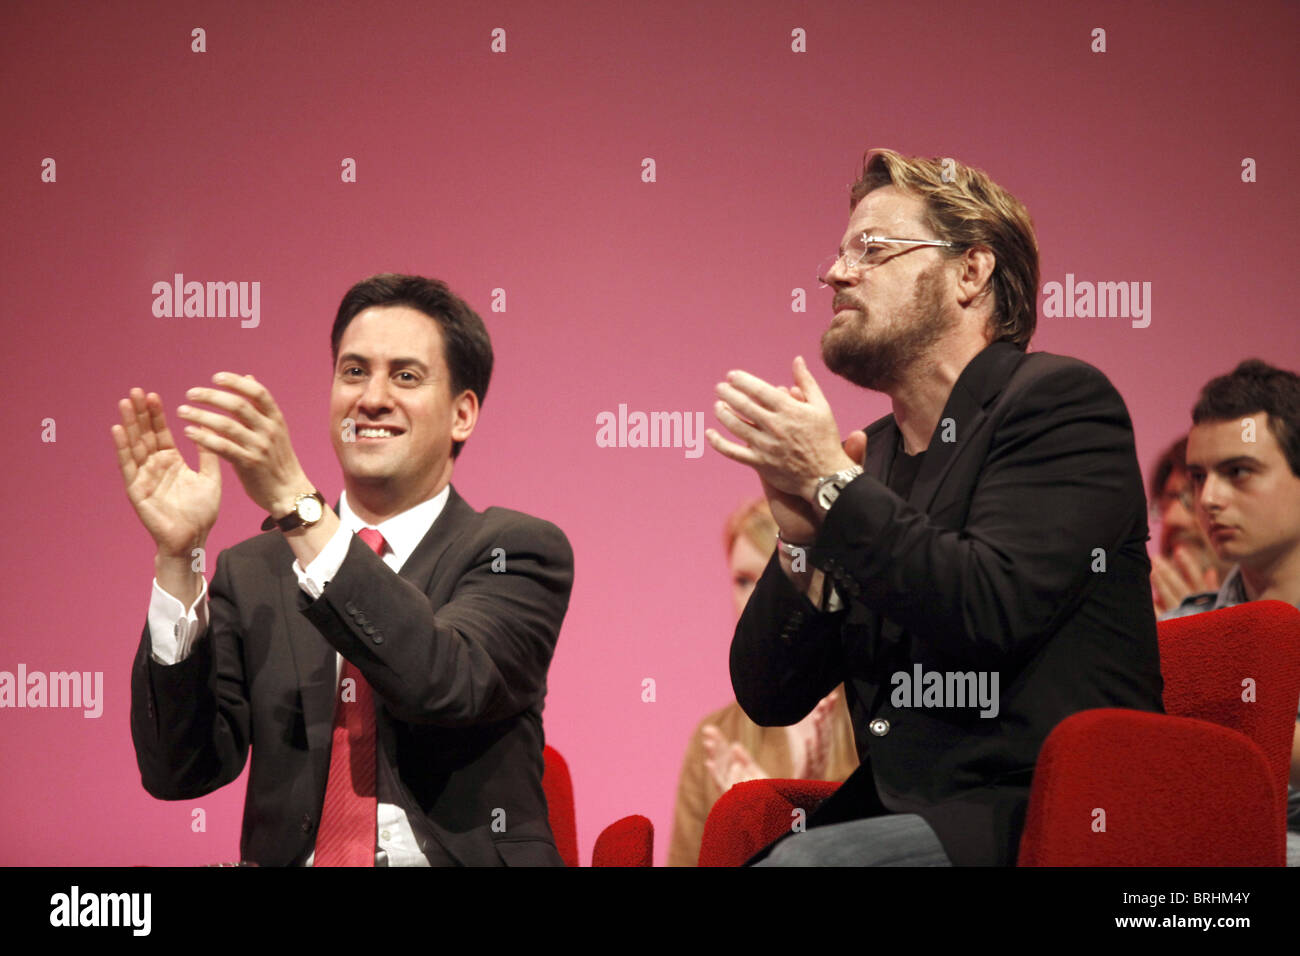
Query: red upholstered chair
x=1169, y=791
x=751, y=815
x=1209, y=662
x=626, y=842
x=1206, y=658
x=558, y=786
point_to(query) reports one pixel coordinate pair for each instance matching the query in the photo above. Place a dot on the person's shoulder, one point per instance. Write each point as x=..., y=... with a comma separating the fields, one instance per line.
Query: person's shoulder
x=1061, y=380
x=508, y=526
x=1040, y=365
x=498, y=517
x=734, y=724
x=725, y=718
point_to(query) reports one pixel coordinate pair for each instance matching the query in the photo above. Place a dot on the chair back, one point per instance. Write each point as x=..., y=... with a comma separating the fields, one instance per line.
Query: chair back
x=1118, y=787
x=558, y=786
x=1238, y=667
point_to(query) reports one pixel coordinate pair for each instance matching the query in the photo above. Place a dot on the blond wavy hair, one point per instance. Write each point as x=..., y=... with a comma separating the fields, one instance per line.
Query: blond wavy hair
x=964, y=206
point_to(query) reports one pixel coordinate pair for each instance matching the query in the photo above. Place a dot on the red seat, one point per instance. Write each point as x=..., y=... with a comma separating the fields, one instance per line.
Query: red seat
x=626, y=842
x=1207, y=660
x=751, y=815
x=1116, y=787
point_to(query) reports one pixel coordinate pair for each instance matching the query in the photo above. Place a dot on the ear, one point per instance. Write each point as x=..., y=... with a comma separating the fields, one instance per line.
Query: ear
x=974, y=280
x=464, y=415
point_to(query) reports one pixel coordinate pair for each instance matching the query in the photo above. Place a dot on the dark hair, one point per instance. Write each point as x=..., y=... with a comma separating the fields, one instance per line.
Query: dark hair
x=1174, y=459
x=966, y=207
x=465, y=341
x=1252, y=387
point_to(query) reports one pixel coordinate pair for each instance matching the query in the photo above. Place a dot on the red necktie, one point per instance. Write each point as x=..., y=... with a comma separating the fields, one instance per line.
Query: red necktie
x=347, y=823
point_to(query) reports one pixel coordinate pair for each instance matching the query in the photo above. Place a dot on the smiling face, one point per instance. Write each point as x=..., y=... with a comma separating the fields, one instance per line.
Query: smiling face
x=888, y=316
x=391, y=381
x=1247, y=498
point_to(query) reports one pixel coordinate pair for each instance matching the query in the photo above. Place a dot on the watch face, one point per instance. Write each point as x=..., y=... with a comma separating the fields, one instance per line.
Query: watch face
x=309, y=510
x=828, y=492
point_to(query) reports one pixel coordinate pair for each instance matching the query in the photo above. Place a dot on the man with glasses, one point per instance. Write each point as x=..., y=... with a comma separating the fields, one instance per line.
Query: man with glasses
x=1185, y=564
x=972, y=567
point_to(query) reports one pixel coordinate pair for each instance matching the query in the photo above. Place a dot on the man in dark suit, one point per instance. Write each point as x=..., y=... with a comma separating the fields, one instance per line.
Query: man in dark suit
x=386, y=662
x=983, y=574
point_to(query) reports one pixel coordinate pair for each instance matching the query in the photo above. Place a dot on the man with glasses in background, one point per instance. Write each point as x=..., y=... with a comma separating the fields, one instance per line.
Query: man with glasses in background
x=973, y=567
x=1185, y=564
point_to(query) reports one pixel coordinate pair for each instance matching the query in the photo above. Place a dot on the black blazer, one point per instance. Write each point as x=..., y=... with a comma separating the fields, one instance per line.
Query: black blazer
x=993, y=563
x=455, y=650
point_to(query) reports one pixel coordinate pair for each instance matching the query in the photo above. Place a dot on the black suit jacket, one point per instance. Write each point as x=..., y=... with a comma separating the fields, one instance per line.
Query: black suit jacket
x=993, y=563
x=455, y=648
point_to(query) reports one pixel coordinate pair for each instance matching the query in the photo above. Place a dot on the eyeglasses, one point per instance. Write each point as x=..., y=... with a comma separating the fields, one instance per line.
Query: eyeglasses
x=868, y=252
x=1157, y=508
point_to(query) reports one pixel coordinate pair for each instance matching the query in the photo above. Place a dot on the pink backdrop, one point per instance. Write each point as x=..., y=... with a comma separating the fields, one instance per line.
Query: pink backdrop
x=522, y=171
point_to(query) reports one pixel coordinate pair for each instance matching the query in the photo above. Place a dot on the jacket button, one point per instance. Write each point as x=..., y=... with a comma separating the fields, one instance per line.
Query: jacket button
x=368, y=628
x=306, y=824
x=378, y=639
x=350, y=607
x=879, y=727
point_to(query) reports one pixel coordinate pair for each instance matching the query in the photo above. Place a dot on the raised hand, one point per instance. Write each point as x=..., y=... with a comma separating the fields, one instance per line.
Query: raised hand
x=177, y=505
x=817, y=743
x=253, y=437
x=790, y=435
x=728, y=763
x=1178, y=577
x=791, y=440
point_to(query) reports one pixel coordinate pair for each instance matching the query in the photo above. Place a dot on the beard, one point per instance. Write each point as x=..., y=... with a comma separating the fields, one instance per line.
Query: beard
x=877, y=359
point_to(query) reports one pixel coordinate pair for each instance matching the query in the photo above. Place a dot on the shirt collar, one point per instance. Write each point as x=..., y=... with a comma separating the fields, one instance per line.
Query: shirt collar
x=1232, y=591
x=404, y=531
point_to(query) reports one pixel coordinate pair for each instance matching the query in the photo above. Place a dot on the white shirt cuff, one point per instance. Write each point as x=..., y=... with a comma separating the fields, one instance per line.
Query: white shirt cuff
x=325, y=565
x=834, y=602
x=173, y=628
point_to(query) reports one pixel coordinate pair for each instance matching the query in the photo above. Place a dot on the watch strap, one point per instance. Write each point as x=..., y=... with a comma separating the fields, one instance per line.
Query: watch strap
x=293, y=519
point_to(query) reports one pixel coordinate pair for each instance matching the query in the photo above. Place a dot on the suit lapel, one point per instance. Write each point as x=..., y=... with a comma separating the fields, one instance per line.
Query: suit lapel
x=455, y=518
x=979, y=383
x=882, y=439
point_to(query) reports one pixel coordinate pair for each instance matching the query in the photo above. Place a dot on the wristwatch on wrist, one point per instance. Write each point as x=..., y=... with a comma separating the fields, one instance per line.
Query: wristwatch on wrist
x=308, y=508
x=829, y=487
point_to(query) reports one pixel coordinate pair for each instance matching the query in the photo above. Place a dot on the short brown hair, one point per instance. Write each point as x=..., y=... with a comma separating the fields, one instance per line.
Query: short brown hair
x=1252, y=387
x=754, y=520
x=964, y=206
x=466, y=345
